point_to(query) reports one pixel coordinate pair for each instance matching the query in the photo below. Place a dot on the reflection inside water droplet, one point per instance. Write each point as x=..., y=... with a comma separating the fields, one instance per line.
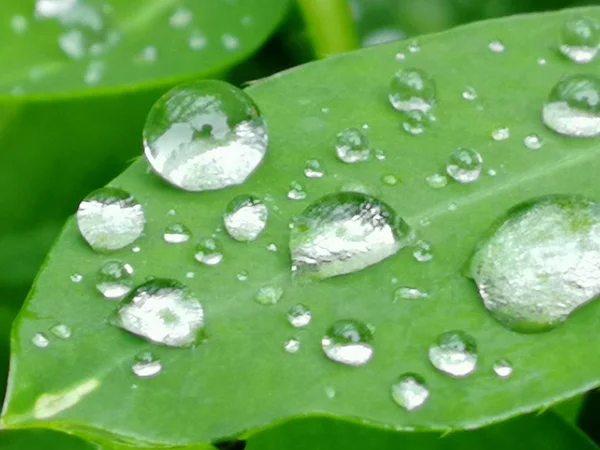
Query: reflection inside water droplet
x=299, y=316
x=410, y=391
x=114, y=279
x=454, y=353
x=245, y=218
x=209, y=252
x=348, y=342
x=177, y=233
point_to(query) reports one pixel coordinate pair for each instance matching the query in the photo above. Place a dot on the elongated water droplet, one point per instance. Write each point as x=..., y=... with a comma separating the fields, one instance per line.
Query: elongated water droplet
x=313, y=169
x=345, y=232
x=40, y=340
x=268, y=295
x=146, y=366
x=114, y=279
x=409, y=293
x=299, y=316
x=296, y=191
x=412, y=89
x=573, y=107
x=209, y=252
x=292, y=345
x=352, y=145
x=464, y=165
x=580, y=39
x=205, y=135
x=177, y=233
x=503, y=368
x=541, y=263
x=110, y=219
x=162, y=311
x=245, y=218
x=500, y=134
x=61, y=331
x=348, y=342
x=437, y=181
x=454, y=353
x=410, y=391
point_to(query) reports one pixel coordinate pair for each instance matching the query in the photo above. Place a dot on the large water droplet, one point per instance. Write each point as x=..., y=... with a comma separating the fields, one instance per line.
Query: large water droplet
x=114, y=279
x=110, y=219
x=540, y=263
x=162, y=311
x=464, y=165
x=581, y=39
x=352, y=145
x=209, y=252
x=412, y=89
x=205, y=135
x=348, y=342
x=146, y=366
x=268, y=295
x=573, y=107
x=299, y=316
x=346, y=232
x=454, y=353
x=410, y=391
x=177, y=233
x=245, y=218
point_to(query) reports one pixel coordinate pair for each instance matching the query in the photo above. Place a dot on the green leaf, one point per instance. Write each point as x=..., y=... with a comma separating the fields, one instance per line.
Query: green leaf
x=545, y=432
x=42, y=439
x=241, y=379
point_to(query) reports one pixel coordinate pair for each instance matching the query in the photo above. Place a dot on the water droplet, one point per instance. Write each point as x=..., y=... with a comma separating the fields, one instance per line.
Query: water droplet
x=292, y=345
x=272, y=248
x=541, y=263
x=346, y=232
x=230, y=42
x=452, y=206
x=190, y=275
x=379, y=154
x=299, y=316
x=503, y=368
x=209, y=252
x=162, y=311
x=114, y=279
x=313, y=169
x=247, y=21
x=18, y=23
x=330, y=392
x=422, y=251
x=414, y=47
x=454, y=353
x=76, y=278
x=94, y=73
x=136, y=249
x=464, y=165
x=242, y=276
x=415, y=122
x=389, y=180
x=197, y=41
x=245, y=218
x=533, y=142
x=40, y=340
x=110, y=219
x=500, y=134
x=148, y=54
x=268, y=295
x=412, y=89
x=581, y=39
x=573, y=107
x=146, y=366
x=348, y=342
x=437, y=181
x=491, y=172
x=181, y=18
x=61, y=331
x=409, y=293
x=352, y=145
x=496, y=46
x=400, y=56
x=424, y=222
x=541, y=61
x=410, y=391
x=469, y=93
x=177, y=233
x=296, y=191
x=205, y=135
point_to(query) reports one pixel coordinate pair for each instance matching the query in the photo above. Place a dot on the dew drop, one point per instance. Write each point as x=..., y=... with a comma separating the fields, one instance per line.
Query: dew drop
x=181, y=18
x=18, y=24
x=496, y=46
x=292, y=345
x=464, y=165
x=580, y=40
x=230, y=42
x=209, y=252
x=437, y=181
x=61, y=331
x=533, y=142
x=346, y=232
x=414, y=47
x=348, y=342
x=268, y=295
x=541, y=61
x=272, y=248
x=76, y=278
x=379, y=154
x=299, y=316
x=454, y=353
x=177, y=233
x=503, y=368
x=400, y=56
x=415, y=122
x=313, y=169
x=296, y=191
x=242, y=276
x=330, y=392
x=114, y=279
x=94, y=73
x=410, y=391
x=190, y=275
x=40, y=340
x=469, y=93
x=423, y=251
x=412, y=89
x=389, y=180
x=245, y=218
x=136, y=249
x=197, y=41
x=500, y=134
x=352, y=145
x=491, y=172
x=409, y=293
x=205, y=135
x=148, y=54
x=146, y=366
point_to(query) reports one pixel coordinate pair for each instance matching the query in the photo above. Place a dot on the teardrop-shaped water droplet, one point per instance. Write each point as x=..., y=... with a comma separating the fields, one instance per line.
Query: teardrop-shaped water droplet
x=40, y=340
x=245, y=218
x=61, y=331
x=296, y=191
x=352, y=145
x=299, y=316
x=314, y=169
x=412, y=89
x=110, y=219
x=345, y=232
x=533, y=141
x=409, y=293
x=454, y=353
x=410, y=391
x=268, y=295
x=541, y=263
x=501, y=134
x=146, y=366
x=580, y=40
x=114, y=279
x=464, y=165
x=348, y=342
x=177, y=233
x=437, y=181
x=205, y=135
x=209, y=252
x=292, y=345
x=503, y=368
x=573, y=107
x=162, y=311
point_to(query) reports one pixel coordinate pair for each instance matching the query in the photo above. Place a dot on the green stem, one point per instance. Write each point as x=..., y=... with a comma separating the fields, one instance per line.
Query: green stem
x=330, y=26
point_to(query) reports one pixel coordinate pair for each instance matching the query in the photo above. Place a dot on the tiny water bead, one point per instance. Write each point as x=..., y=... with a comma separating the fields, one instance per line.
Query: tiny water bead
x=209, y=252
x=412, y=89
x=61, y=331
x=500, y=134
x=454, y=353
x=464, y=165
x=205, y=135
x=114, y=279
x=533, y=142
x=469, y=93
x=423, y=251
x=540, y=263
x=389, y=180
x=76, y=278
x=296, y=191
x=177, y=233
x=242, y=276
x=268, y=295
x=352, y=145
x=313, y=169
x=437, y=181
x=346, y=232
x=496, y=46
x=410, y=391
x=415, y=122
x=146, y=366
x=245, y=218
x=348, y=342
x=299, y=316
x=40, y=340
x=162, y=311
x=503, y=368
x=110, y=219
x=580, y=40
x=573, y=106
x=292, y=345
x=409, y=293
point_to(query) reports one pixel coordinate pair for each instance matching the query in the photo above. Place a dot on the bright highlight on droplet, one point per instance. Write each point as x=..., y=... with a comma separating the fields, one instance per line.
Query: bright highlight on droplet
x=454, y=353
x=348, y=342
x=245, y=218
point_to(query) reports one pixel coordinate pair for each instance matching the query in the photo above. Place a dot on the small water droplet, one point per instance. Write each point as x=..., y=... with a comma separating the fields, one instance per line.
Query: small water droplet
x=415, y=122
x=110, y=219
x=148, y=54
x=580, y=39
x=325, y=110
x=500, y=134
x=424, y=222
x=190, y=275
x=181, y=18
x=205, y=135
x=437, y=181
x=400, y=56
x=491, y=172
x=292, y=345
x=533, y=142
x=171, y=212
x=464, y=165
x=209, y=252
x=299, y=316
x=146, y=366
x=162, y=311
x=330, y=392
x=296, y=191
x=114, y=279
x=469, y=93
x=61, y=331
x=40, y=340
x=272, y=248
x=503, y=368
x=177, y=233
x=230, y=42
x=541, y=61
x=18, y=23
x=76, y=278
x=352, y=145
x=268, y=295
x=423, y=251
x=414, y=47
x=410, y=391
x=348, y=342
x=452, y=206
x=496, y=46
x=245, y=218
x=409, y=293
x=379, y=154
x=412, y=89
x=389, y=180
x=94, y=72
x=136, y=249
x=454, y=353
x=313, y=169
x=197, y=41
x=247, y=21
x=242, y=276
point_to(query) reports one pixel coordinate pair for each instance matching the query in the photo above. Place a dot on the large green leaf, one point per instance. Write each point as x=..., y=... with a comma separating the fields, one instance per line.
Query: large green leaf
x=241, y=379
x=42, y=440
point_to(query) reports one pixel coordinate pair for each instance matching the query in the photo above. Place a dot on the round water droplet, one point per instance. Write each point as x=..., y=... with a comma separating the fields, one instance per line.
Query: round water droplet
x=464, y=165
x=40, y=340
x=409, y=293
x=292, y=345
x=573, y=107
x=296, y=191
x=272, y=248
x=422, y=251
x=245, y=218
x=454, y=353
x=197, y=40
x=541, y=263
x=410, y=391
x=352, y=145
x=268, y=295
x=162, y=311
x=299, y=316
x=110, y=219
x=533, y=142
x=61, y=331
x=76, y=278
x=209, y=252
x=500, y=134
x=146, y=366
x=412, y=89
x=345, y=232
x=541, y=61
x=181, y=18
x=503, y=368
x=114, y=279
x=414, y=47
x=469, y=93
x=496, y=46
x=580, y=39
x=313, y=169
x=205, y=135
x=177, y=233
x=379, y=154
x=415, y=121
x=330, y=392
x=389, y=180
x=348, y=342
x=437, y=181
